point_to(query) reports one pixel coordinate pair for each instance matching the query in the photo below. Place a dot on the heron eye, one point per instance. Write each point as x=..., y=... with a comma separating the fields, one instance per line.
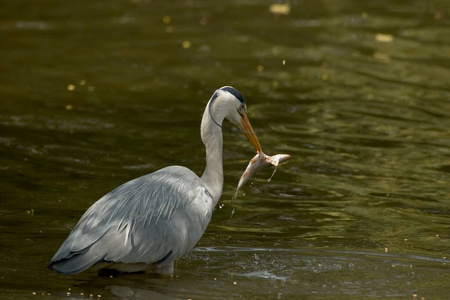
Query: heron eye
x=242, y=108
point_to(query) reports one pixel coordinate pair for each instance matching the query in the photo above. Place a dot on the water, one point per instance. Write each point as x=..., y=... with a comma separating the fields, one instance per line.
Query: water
x=96, y=93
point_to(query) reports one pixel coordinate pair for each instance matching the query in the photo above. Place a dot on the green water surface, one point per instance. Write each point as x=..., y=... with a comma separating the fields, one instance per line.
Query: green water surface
x=96, y=93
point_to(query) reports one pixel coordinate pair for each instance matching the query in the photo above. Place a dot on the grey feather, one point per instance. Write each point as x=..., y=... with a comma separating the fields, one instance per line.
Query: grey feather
x=129, y=224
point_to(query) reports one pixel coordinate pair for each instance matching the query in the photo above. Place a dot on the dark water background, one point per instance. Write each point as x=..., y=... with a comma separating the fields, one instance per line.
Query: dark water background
x=95, y=93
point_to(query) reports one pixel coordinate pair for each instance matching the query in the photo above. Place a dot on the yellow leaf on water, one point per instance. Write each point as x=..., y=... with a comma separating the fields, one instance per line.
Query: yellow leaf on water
x=384, y=38
x=186, y=44
x=280, y=9
x=166, y=19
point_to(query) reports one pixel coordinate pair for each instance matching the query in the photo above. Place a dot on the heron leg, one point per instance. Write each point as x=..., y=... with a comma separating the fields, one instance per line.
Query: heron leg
x=165, y=270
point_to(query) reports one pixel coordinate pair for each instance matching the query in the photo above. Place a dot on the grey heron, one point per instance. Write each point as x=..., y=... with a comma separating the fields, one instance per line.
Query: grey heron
x=155, y=219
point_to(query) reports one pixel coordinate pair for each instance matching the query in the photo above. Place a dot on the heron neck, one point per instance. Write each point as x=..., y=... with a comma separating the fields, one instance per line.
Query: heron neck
x=211, y=135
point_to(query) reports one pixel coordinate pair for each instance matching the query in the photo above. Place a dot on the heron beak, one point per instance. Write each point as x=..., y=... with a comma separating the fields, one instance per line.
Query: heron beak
x=247, y=129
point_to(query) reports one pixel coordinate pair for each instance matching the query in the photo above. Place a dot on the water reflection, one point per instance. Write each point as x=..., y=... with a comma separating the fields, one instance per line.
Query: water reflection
x=280, y=272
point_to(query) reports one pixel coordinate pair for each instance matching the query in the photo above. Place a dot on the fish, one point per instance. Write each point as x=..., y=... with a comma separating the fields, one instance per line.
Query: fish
x=259, y=162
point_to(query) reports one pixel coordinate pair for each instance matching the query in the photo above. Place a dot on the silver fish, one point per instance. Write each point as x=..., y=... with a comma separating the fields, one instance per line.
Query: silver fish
x=259, y=162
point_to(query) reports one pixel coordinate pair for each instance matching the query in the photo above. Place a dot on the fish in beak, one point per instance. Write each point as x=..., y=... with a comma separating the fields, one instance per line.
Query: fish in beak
x=259, y=162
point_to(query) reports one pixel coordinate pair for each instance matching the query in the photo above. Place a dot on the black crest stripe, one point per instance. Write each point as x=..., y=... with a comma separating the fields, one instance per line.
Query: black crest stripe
x=234, y=92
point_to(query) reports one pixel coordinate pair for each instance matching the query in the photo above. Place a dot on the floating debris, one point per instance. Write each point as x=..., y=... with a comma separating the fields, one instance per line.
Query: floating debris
x=186, y=44
x=384, y=38
x=280, y=9
x=166, y=19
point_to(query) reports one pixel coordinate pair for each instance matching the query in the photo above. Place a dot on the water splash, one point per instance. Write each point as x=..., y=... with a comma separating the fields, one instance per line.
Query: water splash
x=234, y=196
x=232, y=212
x=270, y=179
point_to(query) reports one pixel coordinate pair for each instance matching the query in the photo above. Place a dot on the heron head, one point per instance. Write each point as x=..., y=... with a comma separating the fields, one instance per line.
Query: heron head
x=234, y=105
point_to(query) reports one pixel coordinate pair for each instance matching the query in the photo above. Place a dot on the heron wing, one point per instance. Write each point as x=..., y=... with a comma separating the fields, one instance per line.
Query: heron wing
x=148, y=219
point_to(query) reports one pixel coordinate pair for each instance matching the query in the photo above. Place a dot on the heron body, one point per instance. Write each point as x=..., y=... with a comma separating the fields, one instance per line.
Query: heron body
x=157, y=218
